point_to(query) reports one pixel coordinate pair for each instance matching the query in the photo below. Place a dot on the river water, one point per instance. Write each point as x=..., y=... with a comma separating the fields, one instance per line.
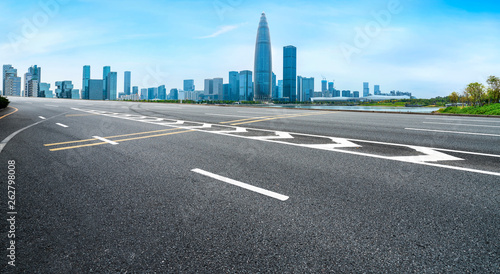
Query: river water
x=362, y=108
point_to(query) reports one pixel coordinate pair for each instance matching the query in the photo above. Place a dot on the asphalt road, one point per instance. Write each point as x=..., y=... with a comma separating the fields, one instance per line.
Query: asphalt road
x=143, y=187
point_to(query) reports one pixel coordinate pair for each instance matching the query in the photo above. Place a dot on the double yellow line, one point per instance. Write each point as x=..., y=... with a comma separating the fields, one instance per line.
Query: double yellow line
x=267, y=118
x=111, y=137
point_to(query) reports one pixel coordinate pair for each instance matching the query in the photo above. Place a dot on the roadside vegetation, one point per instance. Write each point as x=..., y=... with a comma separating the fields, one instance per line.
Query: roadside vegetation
x=476, y=99
x=4, y=102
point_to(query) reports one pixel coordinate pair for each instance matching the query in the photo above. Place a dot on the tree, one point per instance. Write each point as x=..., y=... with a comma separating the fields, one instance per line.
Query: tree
x=476, y=93
x=494, y=88
x=454, y=97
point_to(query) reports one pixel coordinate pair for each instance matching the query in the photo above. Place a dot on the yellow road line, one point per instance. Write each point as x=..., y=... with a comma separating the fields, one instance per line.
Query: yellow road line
x=118, y=141
x=87, y=145
x=277, y=117
x=88, y=140
x=151, y=136
x=228, y=122
x=16, y=110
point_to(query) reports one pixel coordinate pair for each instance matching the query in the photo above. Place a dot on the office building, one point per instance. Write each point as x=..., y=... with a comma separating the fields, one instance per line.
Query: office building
x=263, y=62
x=218, y=89
x=135, y=90
x=305, y=88
x=162, y=93
x=105, y=72
x=355, y=94
x=226, y=90
x=85, y=82
x=376, y=90
x=324, y=88
x=31, y=81
x=174, y=94
x=189, y=85
x=111, y=85
x=209, y=87
x=152, y=93
x=95, y=89
x=75, y=94
x=346, y=93
x=144, y=94
x=64, y=89
x=45, y=90
x=246, y=86
x=127, y=82
x=290, y=73
x=234, y=86
x=366, y=89
x=280, y=89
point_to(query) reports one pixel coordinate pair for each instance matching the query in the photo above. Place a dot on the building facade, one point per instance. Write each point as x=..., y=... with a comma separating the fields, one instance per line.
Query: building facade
x=290, y=73
x=263, y=62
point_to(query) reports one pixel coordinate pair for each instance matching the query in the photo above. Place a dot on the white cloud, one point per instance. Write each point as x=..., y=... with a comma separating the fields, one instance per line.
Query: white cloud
x=220, y=31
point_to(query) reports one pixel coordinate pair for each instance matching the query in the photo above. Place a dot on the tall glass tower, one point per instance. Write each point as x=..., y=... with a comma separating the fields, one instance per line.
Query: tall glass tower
x=263, y=63
x=290, y=73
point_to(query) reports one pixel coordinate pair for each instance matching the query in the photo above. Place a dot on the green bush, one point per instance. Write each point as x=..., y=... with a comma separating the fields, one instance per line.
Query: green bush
x=4, y=102
x=493, y=109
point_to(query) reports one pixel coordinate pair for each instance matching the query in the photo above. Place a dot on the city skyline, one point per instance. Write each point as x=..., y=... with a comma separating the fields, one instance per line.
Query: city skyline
x=426, y=55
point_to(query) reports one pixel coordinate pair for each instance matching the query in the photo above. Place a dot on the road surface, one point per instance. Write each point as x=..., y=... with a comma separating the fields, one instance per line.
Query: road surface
x=146, y=187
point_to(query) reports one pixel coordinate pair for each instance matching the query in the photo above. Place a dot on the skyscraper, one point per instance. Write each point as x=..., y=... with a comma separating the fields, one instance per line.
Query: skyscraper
x=246, y=86
x=376, y=90
x=135, y=90
x=234, y=85
x=95, y=89
x=11, y=83
x=305, y=88
x=126, y=83
x=366, y=89
x=290, y=73
x=209, y=87
x=85, y=82
x=64, y=89
x=31, y=81
x=189, y=85
x=324, y=88
x=162, y=93
x=263, y=62
x=111, y=85
x=218, y=88
x=105, y=72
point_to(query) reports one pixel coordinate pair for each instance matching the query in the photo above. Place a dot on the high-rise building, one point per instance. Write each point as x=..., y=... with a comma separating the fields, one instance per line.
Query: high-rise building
x=75, y=94
x=127, y=83
x=290, y=73
x=218, y=88
x=11, y=83
x=209, y=87
x=355, y=94
x=280, y=89
x=135, y=90
x=174, y=94
x=85, y=82
x=144, y=94
x=105, y=72
x=376, y=90
x=45, y=90
x=366, y=89
x=324, y=88
x=274, y=88
x=162, y=93
x=31, y=81
x=189, y=85
x=234, y=85
x=346, y=93
x=111, y=86
x=331, y=89
x=95, y=89
x=64, y=89
x=152, y=93
x=305, y=88
x=226, y=92
x=246, y=86
x=263, y=66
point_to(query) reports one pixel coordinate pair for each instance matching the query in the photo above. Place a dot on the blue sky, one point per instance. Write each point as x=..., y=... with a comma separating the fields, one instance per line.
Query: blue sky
x=430, y=48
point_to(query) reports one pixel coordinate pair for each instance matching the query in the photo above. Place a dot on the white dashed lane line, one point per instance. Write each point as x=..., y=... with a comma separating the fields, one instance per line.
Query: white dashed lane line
x=242, y=185
x=62, y=125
